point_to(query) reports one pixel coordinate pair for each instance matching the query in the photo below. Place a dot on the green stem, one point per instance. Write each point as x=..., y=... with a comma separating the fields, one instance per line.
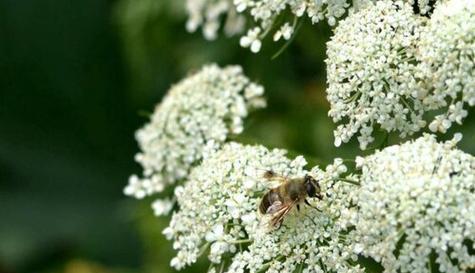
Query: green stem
x=203, y=249
x=385, y=140
x=209, y=267
x=349, y=181
x=429, y=264
x=271, y=25
x=383, y=144
x=407, y=105
x=221, y=270
x=353, y=98
x=241, y=241
x=266, y=265
x=282, y=49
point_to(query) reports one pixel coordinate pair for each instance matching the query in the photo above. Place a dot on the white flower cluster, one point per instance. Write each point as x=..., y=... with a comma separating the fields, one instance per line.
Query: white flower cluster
x=208, y=15
x=424, y=6
x=371, y=73
x=314, y=239
x=448, y=56
x=417, y=207
x=218, y=205
x=218, y=210
x=265, y=12
x=194, y=119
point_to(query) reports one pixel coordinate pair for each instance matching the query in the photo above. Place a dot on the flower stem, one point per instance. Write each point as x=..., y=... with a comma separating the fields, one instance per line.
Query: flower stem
x=244, y=241
x=203, y=249
x=349, y=181
x=277, y=54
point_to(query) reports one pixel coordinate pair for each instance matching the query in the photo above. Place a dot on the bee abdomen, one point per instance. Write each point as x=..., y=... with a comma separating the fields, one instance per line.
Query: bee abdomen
x=264, y=204
x=267, y=200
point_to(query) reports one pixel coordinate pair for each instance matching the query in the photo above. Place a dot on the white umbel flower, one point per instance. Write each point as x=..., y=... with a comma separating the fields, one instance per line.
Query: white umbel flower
x=318, y=239
x=424, y=7
x=218, y=203
x=285, y=31
x=262, y=14
x=265, y=12
x=194, y=119
x=448, y=56
x=219, y=216
x=417, y=207
x=371, y=74
x=252, y=40
x=162, y=206
x=208, y=15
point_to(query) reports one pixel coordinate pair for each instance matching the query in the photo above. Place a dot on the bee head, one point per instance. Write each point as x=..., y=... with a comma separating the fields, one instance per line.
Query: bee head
x=311, y=186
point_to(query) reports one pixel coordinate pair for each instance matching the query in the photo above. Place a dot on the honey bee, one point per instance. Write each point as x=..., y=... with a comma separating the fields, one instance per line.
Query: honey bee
x=291, y=192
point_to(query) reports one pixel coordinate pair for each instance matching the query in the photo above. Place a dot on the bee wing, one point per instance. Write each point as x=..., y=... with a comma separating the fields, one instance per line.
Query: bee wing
x=275, y=207
x=275, y=179
x=276, y=220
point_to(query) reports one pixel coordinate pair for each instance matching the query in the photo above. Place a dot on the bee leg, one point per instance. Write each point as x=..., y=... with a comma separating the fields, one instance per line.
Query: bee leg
x=298, y=207
x=308, y=204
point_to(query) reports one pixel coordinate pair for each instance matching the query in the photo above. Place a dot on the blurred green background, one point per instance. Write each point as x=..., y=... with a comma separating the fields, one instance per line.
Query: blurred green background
x=76, y=79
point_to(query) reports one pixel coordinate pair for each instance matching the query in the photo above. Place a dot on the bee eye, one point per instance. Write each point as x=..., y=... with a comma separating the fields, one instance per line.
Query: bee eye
x=310, y=189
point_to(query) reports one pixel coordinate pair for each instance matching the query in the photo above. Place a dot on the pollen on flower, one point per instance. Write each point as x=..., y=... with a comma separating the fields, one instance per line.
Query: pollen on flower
x=416, y=200
x=447, y=50
x=194, y=119
x=371, y=74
